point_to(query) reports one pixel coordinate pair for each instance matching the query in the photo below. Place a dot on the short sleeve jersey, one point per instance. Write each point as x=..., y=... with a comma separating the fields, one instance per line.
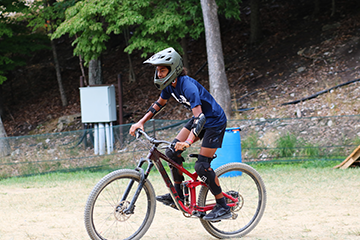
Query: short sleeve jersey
x=190, y=93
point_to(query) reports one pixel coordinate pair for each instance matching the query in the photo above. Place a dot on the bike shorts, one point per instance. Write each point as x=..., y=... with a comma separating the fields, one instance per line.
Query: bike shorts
x=211, y=137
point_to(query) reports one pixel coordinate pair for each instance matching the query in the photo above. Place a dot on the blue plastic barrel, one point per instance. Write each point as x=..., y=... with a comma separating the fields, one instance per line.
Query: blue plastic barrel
x=230, y=151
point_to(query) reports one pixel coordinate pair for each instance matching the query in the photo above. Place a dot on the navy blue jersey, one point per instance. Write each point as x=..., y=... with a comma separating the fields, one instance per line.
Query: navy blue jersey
x=190, y=93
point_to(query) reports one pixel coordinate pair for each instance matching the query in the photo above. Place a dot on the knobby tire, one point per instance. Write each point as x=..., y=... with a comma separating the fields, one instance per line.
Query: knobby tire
x=246, y=182
x=104, y=220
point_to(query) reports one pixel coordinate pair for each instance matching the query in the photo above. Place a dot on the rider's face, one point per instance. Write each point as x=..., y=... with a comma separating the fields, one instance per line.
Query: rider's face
x=162, y=71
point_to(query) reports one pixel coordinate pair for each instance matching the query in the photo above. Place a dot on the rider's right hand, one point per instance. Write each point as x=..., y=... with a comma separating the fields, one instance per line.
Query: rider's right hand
x=134, y=127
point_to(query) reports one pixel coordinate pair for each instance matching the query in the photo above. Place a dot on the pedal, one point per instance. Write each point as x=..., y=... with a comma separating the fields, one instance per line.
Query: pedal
x=216, y=221
x=173, y=206
x=199, y=214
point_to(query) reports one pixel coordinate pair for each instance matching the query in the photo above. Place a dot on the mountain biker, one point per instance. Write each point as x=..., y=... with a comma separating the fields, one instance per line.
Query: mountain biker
x=208, y=123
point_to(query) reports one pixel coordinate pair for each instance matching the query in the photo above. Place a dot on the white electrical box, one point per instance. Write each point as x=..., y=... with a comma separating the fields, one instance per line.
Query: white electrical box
x=98, y=104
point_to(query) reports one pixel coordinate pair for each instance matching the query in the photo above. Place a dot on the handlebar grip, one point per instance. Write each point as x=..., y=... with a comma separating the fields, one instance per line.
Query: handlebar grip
x=138, y=133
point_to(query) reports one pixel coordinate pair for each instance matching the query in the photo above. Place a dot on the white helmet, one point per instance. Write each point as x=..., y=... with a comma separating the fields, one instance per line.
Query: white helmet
x=168, y=58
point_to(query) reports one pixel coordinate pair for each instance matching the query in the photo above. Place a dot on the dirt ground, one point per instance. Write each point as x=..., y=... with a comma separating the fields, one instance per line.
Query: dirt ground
x=313, y=203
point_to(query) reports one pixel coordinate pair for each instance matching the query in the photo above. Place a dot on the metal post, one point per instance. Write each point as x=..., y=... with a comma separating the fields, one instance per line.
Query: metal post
x=111, y=137
x=108, y=138
x=101, y=139
x=96, y=139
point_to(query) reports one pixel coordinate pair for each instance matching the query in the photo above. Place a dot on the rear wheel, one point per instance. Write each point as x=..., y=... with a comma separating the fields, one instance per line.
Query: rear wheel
x=244, y=183
x=105, y=211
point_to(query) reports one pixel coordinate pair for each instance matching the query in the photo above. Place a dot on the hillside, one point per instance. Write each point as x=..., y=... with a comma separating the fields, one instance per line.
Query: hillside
x=298, y=57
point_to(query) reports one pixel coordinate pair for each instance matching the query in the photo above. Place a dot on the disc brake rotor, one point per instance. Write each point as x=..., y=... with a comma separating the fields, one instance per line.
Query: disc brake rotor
x=240, y=199
x=119, y=213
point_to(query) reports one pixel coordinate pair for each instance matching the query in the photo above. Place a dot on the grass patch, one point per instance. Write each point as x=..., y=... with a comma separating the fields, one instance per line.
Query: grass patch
x=285, y=146
x=251, y=145
x=297, y=164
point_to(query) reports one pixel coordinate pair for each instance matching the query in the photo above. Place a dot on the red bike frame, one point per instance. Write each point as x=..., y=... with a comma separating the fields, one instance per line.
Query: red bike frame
x=154, y=158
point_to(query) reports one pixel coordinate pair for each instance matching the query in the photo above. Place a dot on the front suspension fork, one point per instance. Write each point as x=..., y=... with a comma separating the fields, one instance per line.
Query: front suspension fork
x=143, y=177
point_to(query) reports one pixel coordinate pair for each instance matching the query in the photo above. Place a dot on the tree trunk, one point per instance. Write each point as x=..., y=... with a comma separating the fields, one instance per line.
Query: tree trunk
x=132, y=77
x=4, y=144
x=82, y=70
x=333, y=8
x=185, y=55
x=64, y=100
x=255, y=27
x=1, y=101
x=95, y=74
x=316, y=8
x=219, y=86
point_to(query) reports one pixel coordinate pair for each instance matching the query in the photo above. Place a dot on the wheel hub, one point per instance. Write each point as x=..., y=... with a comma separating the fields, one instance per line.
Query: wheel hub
x=240, y=202
x=119, y=212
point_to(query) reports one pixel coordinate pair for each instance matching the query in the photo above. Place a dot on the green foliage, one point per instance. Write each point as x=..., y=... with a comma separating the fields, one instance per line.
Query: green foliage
x=285, y=146
x=309, y=150
x=166, y=24
x=16, y=41
x=356, y=141
x=47, y=15
x=229, y=8
x=295, y=165
x=155, y=25
x=91, y=21
x=8, y=6
x=170, y=21
x=289, y=146
x=251, y=145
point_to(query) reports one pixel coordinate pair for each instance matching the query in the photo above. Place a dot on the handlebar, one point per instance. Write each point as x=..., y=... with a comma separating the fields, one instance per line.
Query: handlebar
x=152, y=140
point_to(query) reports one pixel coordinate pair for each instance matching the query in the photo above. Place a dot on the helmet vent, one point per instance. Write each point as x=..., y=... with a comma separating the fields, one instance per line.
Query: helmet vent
x=168, y=59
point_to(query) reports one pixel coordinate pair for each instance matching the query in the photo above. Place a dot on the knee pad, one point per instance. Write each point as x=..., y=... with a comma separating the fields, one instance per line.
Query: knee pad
x=174, y=155
x=207, y=174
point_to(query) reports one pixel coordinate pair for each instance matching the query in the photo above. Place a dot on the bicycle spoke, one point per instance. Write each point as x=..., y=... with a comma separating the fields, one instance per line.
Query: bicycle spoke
x=105, y=215
x=239, y=181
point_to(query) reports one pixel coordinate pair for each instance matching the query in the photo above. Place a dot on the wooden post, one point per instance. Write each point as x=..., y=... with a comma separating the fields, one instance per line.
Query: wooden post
x=120, y=120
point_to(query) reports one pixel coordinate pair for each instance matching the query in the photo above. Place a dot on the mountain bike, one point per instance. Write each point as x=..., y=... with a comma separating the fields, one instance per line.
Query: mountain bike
x=122, y=204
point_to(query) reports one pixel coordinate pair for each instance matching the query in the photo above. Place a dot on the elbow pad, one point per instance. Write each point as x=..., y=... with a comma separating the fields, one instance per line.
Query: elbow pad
x=153, y=110
x=198, y=124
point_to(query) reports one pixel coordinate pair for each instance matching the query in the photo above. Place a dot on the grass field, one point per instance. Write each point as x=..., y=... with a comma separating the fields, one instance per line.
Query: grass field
x=305, y=201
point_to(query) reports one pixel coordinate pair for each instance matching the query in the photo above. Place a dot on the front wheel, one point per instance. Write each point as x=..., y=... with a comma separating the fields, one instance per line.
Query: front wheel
x=244, y=183
x=106, y=215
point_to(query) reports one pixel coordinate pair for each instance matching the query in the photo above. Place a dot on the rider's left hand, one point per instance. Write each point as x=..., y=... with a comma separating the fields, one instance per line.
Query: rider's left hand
x=181, y=146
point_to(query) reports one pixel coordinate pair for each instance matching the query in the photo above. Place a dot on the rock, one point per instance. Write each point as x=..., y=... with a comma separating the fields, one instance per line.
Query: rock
x=330, y=123
x=16, y=152
x=67, y=120
x=301, y=69
x=331, y=26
